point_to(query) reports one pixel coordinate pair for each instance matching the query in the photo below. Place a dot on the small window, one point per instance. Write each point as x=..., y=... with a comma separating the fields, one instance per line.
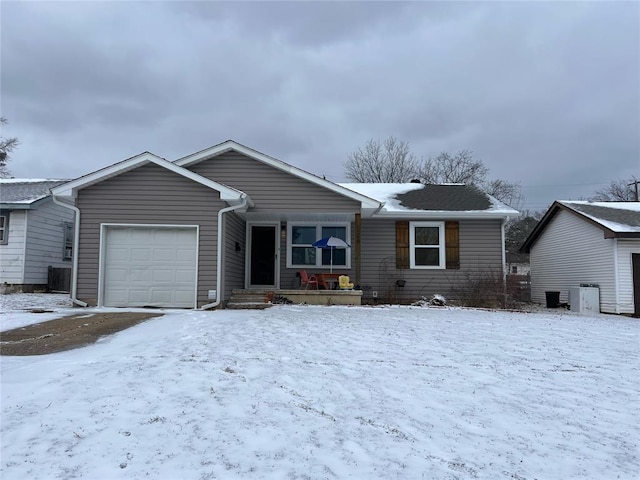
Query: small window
x=427, y=245
x=67, y=253
x=514, y=269
x=4, y=228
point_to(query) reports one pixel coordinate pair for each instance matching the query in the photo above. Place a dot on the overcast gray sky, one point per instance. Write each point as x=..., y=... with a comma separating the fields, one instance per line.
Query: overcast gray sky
x=544, y=93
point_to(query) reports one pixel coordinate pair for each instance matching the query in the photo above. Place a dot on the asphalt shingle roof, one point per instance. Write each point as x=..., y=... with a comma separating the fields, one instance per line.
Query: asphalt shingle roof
x=609, y=214
x=25, y=191
x=445, y=197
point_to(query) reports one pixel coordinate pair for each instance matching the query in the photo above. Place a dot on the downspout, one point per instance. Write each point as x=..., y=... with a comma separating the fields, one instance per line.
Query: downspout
x=244, y=204
x=76, y=242
x=616, y=277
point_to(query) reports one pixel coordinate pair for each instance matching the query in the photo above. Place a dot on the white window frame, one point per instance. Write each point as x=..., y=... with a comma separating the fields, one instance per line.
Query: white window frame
x=319, y=226
x=441, y=246
x=67, y=241
x=5, y=228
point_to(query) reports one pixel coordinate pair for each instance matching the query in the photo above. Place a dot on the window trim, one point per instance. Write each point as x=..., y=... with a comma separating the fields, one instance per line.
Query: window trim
x=67, y=239
x=441, y=246
x=319, y=226
x=5, y=229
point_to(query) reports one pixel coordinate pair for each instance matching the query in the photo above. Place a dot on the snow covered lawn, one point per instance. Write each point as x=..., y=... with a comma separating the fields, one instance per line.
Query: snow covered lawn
x=331, y=392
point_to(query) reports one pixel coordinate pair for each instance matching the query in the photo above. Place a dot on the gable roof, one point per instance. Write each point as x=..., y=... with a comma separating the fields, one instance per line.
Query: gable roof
x=615, y=219
x=433, y=200
x=69, y=190
x=25, y=193
x=368, y=205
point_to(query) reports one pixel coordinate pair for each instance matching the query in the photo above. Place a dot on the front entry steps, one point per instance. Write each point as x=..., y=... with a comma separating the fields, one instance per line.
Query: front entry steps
x=250, y=299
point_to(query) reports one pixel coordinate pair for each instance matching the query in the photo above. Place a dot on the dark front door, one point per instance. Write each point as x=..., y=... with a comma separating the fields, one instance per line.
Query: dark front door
x=635, y=261
x=263, y=256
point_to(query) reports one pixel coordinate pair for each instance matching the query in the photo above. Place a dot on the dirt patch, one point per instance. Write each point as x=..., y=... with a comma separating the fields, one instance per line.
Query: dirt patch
x=67, y=333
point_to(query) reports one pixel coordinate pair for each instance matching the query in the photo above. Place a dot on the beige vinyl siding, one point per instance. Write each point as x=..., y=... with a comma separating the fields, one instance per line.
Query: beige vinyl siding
x=626, y=246
x=147, y=195
x=45, y=241
x=569, y=252
x=233, y=261
x=480, y=254
x=12, y=255
x=272, y=190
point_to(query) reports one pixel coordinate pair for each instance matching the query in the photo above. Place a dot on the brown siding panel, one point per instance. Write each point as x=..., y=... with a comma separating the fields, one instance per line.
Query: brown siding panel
x=402, y=244
x=147, y=195
x=452, y=243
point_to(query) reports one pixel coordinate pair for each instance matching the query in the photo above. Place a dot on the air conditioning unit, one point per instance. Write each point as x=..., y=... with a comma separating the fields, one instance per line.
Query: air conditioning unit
x=585, y=299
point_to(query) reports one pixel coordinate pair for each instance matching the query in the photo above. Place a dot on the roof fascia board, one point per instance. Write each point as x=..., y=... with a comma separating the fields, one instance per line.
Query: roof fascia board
x=25, y=205
x=69, y=189
x=368, y=204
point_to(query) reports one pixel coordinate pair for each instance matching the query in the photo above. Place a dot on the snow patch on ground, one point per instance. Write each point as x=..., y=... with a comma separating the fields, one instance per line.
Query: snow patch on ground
x=14, y=306
x=332, y=392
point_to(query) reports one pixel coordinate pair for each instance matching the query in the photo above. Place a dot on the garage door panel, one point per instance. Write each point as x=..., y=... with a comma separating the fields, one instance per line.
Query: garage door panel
x=140, y=255
x=119, y=296
x=183, y=275
x=142, y=276
x=116, y=275
x=185, y=255
x=164, y=255
x=163, y=276
x=120, y=254
x=150, y=266
x=183, y=296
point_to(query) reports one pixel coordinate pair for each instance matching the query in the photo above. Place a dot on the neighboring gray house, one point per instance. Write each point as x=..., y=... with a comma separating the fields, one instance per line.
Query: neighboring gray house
x=594, y=243
x=35, y=234
x=186, y=233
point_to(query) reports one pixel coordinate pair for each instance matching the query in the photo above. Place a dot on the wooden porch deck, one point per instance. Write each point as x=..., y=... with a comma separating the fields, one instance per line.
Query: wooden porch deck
x=261, y=298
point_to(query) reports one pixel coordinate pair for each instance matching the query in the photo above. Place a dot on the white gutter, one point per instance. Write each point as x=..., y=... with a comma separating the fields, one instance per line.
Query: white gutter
x=616, y=276
x=245, y=202
x=76, y=242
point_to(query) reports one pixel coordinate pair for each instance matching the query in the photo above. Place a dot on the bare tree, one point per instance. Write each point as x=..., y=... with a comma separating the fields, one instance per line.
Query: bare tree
x=618, y=191
x=458, y=168
x=506, y=192
x=518, y=229
x=6, y=147
x=463, y=168
x=390, y=161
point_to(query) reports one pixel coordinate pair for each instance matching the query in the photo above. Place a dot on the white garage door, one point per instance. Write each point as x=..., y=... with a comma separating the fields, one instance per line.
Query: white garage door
x=150, y=266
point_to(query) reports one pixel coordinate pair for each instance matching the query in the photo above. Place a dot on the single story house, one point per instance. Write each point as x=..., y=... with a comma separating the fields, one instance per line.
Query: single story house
x=35, y=234
x=588, y=243
x=186, y=233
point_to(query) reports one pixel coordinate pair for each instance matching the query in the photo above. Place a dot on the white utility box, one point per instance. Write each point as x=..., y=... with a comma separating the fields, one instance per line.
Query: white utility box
x=585, y=299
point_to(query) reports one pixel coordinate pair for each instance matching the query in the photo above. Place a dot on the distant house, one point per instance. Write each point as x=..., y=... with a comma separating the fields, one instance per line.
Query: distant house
x=190, y=232
x=518, y=263
x=588, y=243
x=35, y=234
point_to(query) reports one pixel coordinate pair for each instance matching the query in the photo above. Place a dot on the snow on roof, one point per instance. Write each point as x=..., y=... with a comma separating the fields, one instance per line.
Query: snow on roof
x=616, y=216
x=384, y=192
x=24, y=191
x=417, y=198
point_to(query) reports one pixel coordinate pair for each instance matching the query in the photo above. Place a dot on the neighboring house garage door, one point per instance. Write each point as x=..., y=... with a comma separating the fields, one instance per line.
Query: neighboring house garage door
x=150, y=266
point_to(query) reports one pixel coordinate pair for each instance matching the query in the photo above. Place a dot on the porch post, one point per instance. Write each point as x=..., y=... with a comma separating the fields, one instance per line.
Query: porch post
x=356, y=246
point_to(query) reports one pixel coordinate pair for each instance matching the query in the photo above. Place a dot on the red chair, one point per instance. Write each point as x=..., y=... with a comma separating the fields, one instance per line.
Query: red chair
x=307, y=280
